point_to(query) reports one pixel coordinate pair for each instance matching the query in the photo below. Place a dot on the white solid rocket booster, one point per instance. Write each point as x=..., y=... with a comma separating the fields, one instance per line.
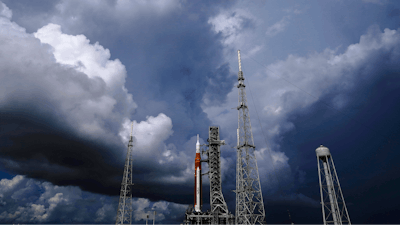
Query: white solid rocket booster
x=197, y=207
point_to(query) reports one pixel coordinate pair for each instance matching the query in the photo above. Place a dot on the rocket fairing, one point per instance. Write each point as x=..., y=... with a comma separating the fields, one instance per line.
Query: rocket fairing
x=198, y=192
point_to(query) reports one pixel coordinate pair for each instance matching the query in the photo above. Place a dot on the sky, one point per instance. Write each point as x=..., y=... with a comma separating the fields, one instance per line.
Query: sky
x=74, y=75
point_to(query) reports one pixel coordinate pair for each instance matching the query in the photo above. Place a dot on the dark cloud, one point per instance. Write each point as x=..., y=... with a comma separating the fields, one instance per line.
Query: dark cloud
x=45, y=141
x=174, y=65
x=353, y=99
x=32, y=14
x=40, y=149
x=29, y=8
x=41, y=103
x=220, y=83
x=181, y=57
x=394, y=13
x=360, y=136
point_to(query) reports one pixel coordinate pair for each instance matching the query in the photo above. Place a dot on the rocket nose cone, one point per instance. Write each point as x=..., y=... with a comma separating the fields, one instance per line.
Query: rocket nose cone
x=197, y=145
x=198, y=142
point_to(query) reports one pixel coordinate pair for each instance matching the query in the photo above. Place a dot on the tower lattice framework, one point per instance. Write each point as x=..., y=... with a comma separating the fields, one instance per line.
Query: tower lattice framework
x=249, y=200
x=334, y=209
x=124, y=213
x=217, y=201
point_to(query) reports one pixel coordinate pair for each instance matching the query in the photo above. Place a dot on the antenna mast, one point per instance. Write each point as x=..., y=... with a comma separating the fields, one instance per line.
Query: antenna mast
x=249, y=200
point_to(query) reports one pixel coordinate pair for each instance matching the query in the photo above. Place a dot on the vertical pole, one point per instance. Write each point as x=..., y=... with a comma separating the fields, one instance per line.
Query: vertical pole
x=238, y=155
x=322, y=196
x=154, y=219
x=131, y=181
x=341, y=193
x=238, y=142
x=328, y=178
x=240, y=64
x=147, y=217
x=131, y=177
x=131, y=128
x=336, y=205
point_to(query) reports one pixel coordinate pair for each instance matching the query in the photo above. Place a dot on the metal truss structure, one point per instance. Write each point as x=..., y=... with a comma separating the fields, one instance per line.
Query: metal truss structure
x=217, y=201
x=210, y=218
x=334, y=209
x=249, y=200
x=124, y=213
x=218, y=213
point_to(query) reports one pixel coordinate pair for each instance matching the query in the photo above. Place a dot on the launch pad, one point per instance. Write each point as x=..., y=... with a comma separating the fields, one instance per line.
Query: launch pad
x=249, y=201
x=192, y=217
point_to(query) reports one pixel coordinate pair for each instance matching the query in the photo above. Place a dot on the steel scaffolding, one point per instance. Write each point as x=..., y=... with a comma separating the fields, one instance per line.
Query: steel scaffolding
x=249, y=200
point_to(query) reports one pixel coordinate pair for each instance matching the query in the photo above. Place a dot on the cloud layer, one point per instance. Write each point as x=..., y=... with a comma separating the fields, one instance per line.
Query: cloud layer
x=24, y=200
x=66, y=110
x=288, y=89
x=65, y=100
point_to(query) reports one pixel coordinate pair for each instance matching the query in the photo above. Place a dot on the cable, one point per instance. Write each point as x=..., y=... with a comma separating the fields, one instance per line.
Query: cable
x=388, y=138
x=280, y=190
x=265, y=139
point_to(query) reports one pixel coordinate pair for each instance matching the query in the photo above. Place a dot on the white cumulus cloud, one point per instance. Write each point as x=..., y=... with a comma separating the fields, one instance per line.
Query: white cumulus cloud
x=93, y=61
x=67, y=75
x=149, y=135
x=56, y=204
x=5, y=11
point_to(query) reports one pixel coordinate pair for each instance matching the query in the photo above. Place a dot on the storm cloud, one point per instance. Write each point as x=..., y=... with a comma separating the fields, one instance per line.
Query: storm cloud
x=64, y=89
x=75, y=75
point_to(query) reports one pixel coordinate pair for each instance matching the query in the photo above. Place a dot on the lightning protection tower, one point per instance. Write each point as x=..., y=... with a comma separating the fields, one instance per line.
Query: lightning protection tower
x=249, y=200
x=124, y=213
x=334, y=209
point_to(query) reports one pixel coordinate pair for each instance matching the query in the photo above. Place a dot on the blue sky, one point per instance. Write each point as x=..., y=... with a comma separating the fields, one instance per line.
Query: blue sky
x=75, y=74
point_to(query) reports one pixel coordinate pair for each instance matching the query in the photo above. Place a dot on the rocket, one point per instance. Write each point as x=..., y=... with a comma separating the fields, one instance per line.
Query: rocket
x=197, y=179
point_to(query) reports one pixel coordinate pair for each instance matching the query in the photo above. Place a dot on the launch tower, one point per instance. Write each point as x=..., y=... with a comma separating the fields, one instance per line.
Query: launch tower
x=124, y=213
x=218, y=205
x=334, y=209
x=218, y=213
x=249, y=200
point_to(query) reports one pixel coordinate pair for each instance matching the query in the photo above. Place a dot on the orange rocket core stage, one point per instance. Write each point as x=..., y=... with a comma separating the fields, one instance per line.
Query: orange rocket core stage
x=197, y=164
